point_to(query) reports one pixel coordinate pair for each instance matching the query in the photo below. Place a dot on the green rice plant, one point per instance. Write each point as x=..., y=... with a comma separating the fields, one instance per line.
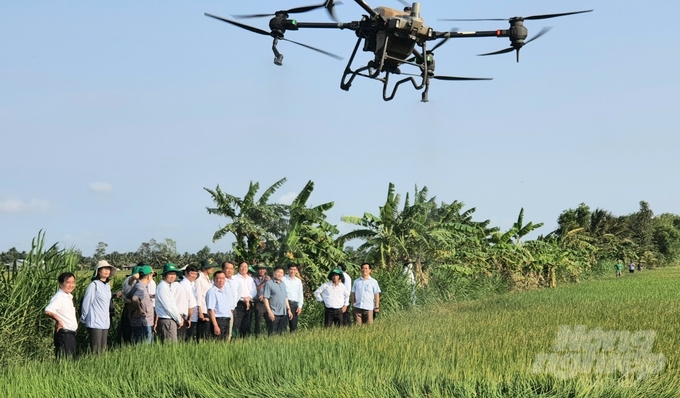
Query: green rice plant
x=482, y=348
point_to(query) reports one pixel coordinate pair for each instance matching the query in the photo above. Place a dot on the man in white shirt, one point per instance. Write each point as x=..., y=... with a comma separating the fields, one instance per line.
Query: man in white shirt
x=365, y=296
x=203, y=284
x=168, y=317
x=246, y=294
x=63, y=312
x=228, y=269
x=189, y=285
x=335, y=298
x=347, y=320
x=295, y=295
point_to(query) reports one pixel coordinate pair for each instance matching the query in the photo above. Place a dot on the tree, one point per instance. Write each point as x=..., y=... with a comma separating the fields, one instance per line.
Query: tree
x=99, y=252
x=253, y=223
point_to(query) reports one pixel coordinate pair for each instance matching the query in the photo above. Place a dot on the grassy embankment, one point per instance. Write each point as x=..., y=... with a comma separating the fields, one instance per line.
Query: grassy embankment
x=483, y=348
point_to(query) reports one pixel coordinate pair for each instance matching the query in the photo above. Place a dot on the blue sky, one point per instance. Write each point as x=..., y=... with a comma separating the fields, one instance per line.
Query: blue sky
x=115, y=115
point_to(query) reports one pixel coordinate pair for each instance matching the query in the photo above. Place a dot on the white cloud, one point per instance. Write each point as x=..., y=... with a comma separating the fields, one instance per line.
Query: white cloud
x=101, y=187
x=19, y=206
x=288, y=198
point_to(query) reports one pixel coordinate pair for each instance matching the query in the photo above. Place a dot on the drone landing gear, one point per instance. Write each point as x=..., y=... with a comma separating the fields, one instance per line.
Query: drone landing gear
x=374, y=68
x=278, y=57
x=418, y=86
x=345, y=84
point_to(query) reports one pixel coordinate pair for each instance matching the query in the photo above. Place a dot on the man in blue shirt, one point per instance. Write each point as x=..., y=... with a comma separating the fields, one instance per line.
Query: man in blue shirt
x=220, y=303
x=365, y=296
x=276, y=301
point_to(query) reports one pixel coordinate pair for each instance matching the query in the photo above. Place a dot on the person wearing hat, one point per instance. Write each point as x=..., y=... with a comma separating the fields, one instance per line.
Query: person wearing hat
x=142, y=312
x=365, y=296
x=124, y=328
x=334, y=296
x=246, y=295
x=169, y=318
x=95, y=311
x=260, y=310
x=63, y=312
x=203, y=284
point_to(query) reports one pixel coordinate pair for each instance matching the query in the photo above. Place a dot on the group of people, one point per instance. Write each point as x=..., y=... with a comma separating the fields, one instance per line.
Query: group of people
x=204, y=302
x=631, y=267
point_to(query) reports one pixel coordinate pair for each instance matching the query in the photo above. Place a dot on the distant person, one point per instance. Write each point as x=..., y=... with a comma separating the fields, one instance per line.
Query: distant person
x=365, y=296
x=347, y=281
x=142, y=313
x=275, y=299
x=619, y=268
x=631, y=268
x=411, y=279
x=260, y=310
x=96, y=307
x=220, y=304
x=640, y=266
x=203, y=284
x=63, y=312
x=296, y=297
x=188, y=284
x=169, y=319
x=246, y=295
x=334, y=296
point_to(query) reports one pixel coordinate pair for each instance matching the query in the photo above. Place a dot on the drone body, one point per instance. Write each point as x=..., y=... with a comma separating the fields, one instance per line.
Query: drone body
x=395, y=38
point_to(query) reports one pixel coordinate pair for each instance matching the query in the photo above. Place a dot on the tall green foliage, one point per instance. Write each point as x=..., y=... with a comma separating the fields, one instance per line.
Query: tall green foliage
x=25, y=291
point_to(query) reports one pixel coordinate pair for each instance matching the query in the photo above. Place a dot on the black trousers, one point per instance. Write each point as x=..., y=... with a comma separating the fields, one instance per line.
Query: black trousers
x=260, y=314
x=223, y=324
x=124, y=328
x=293, y=323
x=190, y=332
x=203, y=329
x=182, y=331
x=242, y=319
x=278, y=325
x=65, y=344
x=334, y=316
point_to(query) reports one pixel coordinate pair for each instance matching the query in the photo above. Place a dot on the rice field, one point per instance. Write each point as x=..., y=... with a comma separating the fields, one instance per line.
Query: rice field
x=483, y=348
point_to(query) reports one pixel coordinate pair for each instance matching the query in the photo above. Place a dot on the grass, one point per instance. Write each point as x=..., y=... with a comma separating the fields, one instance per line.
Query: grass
x=482, y=348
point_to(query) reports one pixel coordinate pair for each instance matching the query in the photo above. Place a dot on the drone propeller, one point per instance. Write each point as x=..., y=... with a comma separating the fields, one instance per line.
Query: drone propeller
x=533, y=17
x=328, y=5
x=509, y=49
x=265, y=33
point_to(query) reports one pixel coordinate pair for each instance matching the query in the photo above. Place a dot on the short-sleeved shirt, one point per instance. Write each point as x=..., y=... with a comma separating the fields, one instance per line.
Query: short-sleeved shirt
x=61, y=305
x=221, y=301
x=143, y=311
x=276, y=294
x=364, y=293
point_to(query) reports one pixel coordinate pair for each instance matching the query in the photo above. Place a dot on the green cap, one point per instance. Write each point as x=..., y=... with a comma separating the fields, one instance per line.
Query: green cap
x=207, y=263
x=337, y=271
x=145, y=270
x=251, y=269
x=170, y=267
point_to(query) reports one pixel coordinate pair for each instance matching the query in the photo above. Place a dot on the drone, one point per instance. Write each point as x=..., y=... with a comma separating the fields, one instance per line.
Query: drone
x=396, y=38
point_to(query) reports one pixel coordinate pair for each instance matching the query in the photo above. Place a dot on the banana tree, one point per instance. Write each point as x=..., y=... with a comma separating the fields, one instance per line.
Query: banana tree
x=255, y=224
